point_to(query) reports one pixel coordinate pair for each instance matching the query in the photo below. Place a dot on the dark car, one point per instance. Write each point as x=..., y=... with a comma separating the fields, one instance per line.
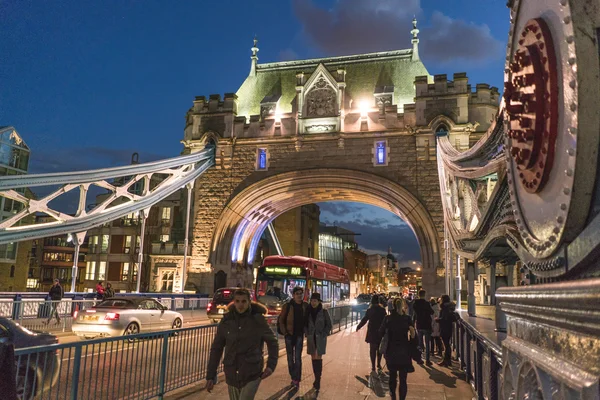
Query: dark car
x=35, y=372
x=362, y=299
x=217, y=308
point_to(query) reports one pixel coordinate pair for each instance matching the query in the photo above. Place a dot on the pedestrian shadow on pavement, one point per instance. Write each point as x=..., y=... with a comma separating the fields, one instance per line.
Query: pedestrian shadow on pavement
x=441, y=377
x=374, y=383
x=286, y=393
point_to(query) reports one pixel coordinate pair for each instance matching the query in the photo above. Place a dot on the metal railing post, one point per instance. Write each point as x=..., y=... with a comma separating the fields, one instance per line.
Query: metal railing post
x=163, y=366
x=189, y=187
x=76, y=369
x=144, y=214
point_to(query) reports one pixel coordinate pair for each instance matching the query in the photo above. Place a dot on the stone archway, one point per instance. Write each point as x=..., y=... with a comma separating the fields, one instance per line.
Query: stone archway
x=252, y=209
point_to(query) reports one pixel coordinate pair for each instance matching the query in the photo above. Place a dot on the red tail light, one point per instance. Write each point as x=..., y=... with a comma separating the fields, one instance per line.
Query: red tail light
x=208, y=307
x=111, y=316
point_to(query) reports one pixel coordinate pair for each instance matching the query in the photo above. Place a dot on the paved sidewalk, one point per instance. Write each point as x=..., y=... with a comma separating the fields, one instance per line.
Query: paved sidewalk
x=346, y=371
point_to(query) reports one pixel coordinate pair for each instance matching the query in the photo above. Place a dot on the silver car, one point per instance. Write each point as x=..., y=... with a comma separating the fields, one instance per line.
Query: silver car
x=119, y=316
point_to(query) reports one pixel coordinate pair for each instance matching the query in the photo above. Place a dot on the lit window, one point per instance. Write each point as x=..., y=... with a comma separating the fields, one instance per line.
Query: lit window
x=164, y=238
x=167, y=280
x=261, y=159
x=102, y=271
x=104, y=245
x=380, y=153
x=166, y=215
x=125, y=273
x=90, y=271
x=32, y=283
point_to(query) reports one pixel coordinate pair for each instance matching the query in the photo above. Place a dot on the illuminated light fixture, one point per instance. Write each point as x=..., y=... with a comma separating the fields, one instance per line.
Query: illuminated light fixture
x=277, y=117
x=363, y=106
x=69, y=238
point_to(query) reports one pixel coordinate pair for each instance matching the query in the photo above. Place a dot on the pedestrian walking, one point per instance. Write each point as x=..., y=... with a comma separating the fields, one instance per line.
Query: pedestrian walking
x=109, y=291
x=436, y=339
x=400, y=331
x=241, y=335
x=423, y=312
x=318, y=328
x=100, y=291
x=56, y=294
x=374, y=317
x=446, y=321
x=292, y=325
x=409, y=304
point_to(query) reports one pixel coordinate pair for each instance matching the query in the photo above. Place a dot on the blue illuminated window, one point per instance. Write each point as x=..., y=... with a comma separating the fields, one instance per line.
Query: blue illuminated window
x=262, y=159
x=380, y=153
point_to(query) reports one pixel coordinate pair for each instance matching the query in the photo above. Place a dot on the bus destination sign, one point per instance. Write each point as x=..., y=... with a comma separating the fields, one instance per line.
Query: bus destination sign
x=284, y=270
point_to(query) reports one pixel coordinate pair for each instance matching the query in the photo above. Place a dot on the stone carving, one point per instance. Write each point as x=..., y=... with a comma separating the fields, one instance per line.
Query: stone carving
x=529, y=387
x=341, y=143
x=508, y=388
x=320, y=128
x=532, y=105
x=321, y=100
x=267, y=109
x=383, y=100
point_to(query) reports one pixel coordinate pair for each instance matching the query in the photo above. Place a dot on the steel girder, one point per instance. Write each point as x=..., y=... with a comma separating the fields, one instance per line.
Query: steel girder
x=179, y=171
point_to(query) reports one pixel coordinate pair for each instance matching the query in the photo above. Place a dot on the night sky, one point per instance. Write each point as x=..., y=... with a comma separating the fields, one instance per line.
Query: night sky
x=88, y=83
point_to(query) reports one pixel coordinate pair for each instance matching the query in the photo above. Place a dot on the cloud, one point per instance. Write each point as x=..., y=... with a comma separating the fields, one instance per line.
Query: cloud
x=448, y=39
x=339, y=209
x=287, y=55
x=80, y=159
x=359, y=26
x=375, y=239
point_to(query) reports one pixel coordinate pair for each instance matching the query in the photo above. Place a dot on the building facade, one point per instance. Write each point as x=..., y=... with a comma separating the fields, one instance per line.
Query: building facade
x=333, y=240
x=14, y=257
x=355, y=261
x=298, y=231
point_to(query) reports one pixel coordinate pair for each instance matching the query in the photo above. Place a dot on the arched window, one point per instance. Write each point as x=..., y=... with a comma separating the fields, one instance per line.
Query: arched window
x=442, y=130
x=12, y=271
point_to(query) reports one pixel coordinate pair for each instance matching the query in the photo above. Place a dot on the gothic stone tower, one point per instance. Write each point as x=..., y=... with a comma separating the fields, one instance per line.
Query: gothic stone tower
x=358, y=128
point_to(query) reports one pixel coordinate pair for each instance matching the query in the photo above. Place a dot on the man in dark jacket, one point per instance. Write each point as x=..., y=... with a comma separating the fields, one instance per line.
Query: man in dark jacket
x=292, y=323
x=241, y=334
x=56, y=295
x=423, y=317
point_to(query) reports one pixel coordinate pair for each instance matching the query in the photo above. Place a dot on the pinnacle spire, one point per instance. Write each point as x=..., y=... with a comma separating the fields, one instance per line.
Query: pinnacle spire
x=254, y=58
x=415, y=40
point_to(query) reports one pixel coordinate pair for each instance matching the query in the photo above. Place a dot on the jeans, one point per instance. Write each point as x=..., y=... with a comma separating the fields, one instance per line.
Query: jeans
x=293, y=348
x=54, y=311
x=424, y=334
x=403, y=385
x=246, y=393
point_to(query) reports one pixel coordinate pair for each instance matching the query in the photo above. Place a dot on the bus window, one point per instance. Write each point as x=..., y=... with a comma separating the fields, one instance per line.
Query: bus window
x=277, y=290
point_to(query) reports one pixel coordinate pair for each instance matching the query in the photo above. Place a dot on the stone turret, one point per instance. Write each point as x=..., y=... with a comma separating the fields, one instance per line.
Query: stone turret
x=415, y=41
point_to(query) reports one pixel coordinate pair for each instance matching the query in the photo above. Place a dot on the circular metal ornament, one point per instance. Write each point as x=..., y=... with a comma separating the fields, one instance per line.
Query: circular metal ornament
x=551, y=184
x=531, y=102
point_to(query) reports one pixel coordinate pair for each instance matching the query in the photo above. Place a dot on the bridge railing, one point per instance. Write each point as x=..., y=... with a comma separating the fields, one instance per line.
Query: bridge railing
x=478, y=349
x=34, y=314
x=141, y=366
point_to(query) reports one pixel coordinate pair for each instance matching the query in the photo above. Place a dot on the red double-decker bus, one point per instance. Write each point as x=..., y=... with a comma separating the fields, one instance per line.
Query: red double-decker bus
x=278, y=276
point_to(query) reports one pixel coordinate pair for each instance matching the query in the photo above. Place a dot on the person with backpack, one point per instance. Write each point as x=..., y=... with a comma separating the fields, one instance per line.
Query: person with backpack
x=446, y=321
x=374, y=316
x=292, y=324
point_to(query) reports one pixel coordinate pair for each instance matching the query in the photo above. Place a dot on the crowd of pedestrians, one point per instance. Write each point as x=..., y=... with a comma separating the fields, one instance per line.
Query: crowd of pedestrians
x=410, y=330
x=399, y=330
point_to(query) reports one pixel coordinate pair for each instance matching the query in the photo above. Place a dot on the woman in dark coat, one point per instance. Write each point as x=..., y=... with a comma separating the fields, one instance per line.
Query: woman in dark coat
x=318, y=328
x=374, y=316
x=398, y=326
